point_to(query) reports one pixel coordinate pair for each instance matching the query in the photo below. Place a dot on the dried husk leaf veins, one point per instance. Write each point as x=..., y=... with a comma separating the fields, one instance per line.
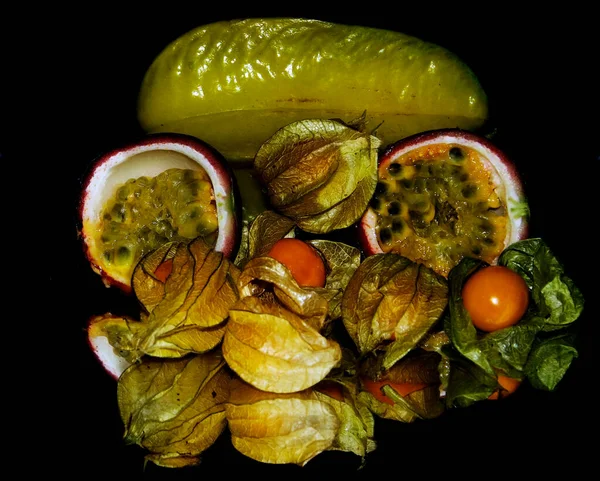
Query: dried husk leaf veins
x=280, y=428
x=320, y=173
x=174, y=408
x=184, y=312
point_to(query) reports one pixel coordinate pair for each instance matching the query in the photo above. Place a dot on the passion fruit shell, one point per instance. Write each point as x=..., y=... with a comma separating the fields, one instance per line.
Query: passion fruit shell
x=98, y=342
x=135, y=166
x=443, y=195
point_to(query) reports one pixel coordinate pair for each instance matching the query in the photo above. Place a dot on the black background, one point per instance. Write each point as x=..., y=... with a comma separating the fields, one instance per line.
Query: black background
x=535, y=75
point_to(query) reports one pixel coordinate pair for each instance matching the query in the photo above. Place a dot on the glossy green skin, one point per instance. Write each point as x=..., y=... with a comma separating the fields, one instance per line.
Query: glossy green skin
x=234, y=83
x=254, y=200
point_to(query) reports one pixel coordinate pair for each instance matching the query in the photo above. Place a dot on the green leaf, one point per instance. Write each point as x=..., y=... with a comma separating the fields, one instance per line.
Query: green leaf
x=563, y=300
x=521, y=350
x=467, y=382
x=460, y=328
x=556, y=297
x=549, y=361
x=508, y=349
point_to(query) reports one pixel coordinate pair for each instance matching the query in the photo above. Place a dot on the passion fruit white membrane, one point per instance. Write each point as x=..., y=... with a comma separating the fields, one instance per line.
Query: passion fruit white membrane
x=113, y=363
x=444, y=195
x=163, y=187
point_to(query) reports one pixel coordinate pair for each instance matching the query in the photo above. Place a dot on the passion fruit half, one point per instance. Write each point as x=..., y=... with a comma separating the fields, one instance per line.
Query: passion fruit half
x=98, y=341
x=444, y=195
x=162, y=188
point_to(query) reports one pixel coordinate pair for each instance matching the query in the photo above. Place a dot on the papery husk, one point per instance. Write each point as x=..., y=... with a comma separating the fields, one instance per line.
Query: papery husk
x=420, y=368
x=406, y=408
x=187, y=312
x=200, y=287
x=320, y=173
x=174, y=408
x=357, y=424
x=341, y=262
x=305, y=303
x=148, y=287
x=274, y=349
x=390, y=304
x=275, y=428
x=264, y=231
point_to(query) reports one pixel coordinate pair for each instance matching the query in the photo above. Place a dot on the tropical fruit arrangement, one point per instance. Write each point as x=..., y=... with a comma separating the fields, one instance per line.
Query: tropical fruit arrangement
x=317, y=234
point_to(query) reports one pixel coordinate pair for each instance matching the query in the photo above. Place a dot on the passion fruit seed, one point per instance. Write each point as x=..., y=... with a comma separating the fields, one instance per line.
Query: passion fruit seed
x=456, y=154
x=394, y=208
x=395, y=169
x=375, y=203
x=131, y=226
x=438, y=198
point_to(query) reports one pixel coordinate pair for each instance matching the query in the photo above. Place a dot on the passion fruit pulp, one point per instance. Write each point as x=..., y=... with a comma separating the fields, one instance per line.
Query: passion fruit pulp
x=162, y=188
x=444, y=195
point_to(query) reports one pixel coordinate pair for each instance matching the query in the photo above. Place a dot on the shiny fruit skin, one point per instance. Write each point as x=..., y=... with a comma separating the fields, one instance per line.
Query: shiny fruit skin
x=234, y=83
x=495, y=297
x=302, y=260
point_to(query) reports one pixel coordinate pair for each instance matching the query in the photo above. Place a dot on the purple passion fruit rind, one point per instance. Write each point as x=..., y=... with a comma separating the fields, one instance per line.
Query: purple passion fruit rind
x=443, y=195
x=146, y=160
